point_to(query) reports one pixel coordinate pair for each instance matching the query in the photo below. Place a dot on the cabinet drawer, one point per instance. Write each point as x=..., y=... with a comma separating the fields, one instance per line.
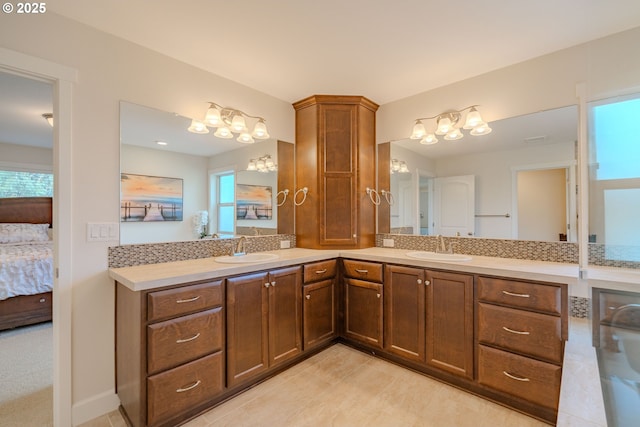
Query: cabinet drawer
x=187, y=299
x=529, y=379
x=534, y=334
x=173, y=342
x=185, y=387
x=370, y=271
x=534, y=296
x=319, y=270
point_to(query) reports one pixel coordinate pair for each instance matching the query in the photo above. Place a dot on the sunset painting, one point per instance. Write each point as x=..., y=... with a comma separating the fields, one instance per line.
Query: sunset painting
x=150, y=198
x=253, y=202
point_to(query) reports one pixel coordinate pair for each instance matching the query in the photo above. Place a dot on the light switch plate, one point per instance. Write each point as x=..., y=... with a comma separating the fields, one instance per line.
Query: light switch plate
x=285, y=244
x=102, y=231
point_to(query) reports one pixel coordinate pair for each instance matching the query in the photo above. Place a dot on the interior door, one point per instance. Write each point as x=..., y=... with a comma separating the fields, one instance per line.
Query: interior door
x=454, y=205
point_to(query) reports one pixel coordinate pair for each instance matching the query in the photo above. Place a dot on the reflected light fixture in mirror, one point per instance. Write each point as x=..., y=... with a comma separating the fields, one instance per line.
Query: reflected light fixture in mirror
x=228, y=121
x=262, y=164
x=449, y=124
x=398, y=166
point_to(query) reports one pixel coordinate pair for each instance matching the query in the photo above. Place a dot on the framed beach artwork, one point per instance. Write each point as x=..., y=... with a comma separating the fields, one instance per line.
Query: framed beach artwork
x=146, y=198
x=253, y=201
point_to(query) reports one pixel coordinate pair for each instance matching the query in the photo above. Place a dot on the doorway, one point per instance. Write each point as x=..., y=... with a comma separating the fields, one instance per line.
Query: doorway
x=62, y=79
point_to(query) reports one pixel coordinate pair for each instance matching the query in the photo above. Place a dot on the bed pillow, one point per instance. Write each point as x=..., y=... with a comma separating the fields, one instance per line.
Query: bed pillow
x=18, y=233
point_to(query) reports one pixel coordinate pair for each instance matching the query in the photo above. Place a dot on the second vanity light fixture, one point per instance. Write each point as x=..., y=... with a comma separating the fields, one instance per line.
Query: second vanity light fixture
x=449, y=124
x=228, y=121
x=262, y=164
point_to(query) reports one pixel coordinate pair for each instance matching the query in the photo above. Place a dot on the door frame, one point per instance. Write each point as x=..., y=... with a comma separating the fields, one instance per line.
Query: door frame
x=62, y=78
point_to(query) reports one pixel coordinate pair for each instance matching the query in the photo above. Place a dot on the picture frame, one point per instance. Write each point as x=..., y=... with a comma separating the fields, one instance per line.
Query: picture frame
x=253, y=202
x=145, y=198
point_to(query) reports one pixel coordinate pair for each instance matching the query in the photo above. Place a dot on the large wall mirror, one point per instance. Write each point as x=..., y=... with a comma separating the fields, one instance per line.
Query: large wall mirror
x=518, y=182
x=157, y=150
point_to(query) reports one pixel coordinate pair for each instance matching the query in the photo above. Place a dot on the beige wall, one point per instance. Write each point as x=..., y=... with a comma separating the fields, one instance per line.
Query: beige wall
x=16, y=155
x=542, y=204
x=110, y=70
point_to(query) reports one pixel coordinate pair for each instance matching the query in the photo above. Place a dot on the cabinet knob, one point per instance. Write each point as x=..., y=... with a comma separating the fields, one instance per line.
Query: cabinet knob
x=266, y=285
x=308, y=296
x=273, y=283
x=427, y=283
x=378, y=295
x=419, y=281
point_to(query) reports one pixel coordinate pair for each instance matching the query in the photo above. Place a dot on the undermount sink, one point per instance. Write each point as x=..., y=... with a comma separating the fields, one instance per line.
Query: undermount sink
x=435, y=256
x=246, y=258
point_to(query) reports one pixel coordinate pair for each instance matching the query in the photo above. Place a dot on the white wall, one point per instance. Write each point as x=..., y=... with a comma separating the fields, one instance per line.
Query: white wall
x=17, y=155
x=111, y=70
x=191, y=169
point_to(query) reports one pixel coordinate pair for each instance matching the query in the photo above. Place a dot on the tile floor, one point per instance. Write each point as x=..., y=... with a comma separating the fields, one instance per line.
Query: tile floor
x=344, y=387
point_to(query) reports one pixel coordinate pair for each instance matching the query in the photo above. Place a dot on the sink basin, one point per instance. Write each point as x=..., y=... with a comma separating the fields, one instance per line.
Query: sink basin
x=247, y=258
x=434, y=256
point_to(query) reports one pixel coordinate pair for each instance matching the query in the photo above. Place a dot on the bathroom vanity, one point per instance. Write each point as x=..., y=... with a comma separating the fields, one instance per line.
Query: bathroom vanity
x=191, y=334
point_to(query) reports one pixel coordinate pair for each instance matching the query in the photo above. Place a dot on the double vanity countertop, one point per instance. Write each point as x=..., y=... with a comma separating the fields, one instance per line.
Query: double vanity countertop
x=581, y=400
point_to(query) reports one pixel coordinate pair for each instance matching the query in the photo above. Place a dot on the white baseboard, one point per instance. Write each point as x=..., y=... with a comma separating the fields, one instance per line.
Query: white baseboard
x=94, y=407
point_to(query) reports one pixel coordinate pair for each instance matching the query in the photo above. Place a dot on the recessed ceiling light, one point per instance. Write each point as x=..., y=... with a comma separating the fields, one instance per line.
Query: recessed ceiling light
x=162, y=143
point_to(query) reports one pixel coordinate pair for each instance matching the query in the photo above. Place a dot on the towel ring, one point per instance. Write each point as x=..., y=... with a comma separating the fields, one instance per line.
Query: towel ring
x=388, y=197
x=371, y=192
x=304, y=190
x=285, y=192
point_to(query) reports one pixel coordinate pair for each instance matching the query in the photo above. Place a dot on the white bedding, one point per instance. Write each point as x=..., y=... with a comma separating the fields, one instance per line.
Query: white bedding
x=25, y=268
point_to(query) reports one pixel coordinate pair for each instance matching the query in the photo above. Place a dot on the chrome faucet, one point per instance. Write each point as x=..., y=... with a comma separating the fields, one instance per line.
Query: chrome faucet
x=239, y=249
x=441, y=245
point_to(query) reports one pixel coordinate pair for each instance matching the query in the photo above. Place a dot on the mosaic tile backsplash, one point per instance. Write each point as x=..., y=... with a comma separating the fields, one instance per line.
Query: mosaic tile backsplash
x=153, y=253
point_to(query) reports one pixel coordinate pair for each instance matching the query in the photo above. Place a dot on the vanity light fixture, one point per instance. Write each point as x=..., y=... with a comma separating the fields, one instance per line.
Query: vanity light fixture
x=399, y=166
x=49, y=118
x=228, y=121
x=262, y=164
x=449, y=124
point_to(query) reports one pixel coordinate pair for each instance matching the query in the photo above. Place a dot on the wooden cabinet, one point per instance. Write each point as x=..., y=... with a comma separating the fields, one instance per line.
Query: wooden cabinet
x=522, y=327
x=363, y=294
x=450, y=322
x=405, y=315
x=335, y=161
x=263, y=322
x=429, y=317
x=169, y=351
x=319, y=303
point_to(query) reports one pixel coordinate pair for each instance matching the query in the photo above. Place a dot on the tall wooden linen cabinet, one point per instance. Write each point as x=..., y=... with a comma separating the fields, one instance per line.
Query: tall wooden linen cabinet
x=336, y=163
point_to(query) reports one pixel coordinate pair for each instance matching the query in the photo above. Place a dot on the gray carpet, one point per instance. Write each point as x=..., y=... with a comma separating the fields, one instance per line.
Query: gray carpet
x=26, y=375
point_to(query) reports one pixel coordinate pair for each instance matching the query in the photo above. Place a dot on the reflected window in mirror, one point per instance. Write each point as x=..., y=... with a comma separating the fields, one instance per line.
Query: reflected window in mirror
x=224, y=197
x=614, y=179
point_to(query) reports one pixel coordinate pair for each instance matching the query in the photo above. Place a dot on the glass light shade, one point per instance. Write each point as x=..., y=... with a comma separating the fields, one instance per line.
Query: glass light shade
x=473, y=119
x=223, y=132
x=237, y=123
x=245, y=138
x=395, y=165
x=198, y=127
x=444, y=126
x=268, y=162
x=403, y=168
x=429, y=139
x=453, y=135
x=260, y=130
x=252, y=165
x=213, y=117
x=481, y=129
x=418, y=130
x=260, y=164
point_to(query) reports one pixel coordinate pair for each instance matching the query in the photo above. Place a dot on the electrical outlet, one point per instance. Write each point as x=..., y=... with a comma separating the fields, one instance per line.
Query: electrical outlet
x=388, y=243
x=285, y=244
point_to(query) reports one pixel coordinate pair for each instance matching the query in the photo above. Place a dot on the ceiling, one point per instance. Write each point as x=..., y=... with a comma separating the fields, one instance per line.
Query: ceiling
x=382, y=49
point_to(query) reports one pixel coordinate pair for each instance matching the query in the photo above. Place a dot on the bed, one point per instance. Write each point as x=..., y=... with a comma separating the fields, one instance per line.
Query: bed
x=26, y=261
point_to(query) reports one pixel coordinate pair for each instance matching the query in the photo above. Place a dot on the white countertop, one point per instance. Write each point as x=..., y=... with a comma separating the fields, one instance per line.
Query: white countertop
x=581, y=396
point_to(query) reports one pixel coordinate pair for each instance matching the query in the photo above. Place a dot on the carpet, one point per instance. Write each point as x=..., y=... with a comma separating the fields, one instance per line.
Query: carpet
x=26, y=375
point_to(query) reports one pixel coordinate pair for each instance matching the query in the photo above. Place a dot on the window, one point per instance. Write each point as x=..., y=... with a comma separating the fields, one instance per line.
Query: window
x=25, y=184
x=225, y=203
x=614, y=177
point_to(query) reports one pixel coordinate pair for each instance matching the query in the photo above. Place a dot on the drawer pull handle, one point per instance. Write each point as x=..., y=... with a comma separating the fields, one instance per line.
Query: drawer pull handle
x=180, y=341
x=516, y=332
x=324, y=270
x=512, y=294
x=180, y=301
x=308, y=296
x=191, y=387
x=514, y=377
x=361, y=271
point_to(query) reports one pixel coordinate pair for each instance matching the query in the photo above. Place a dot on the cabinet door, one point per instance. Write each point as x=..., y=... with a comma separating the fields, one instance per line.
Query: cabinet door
x=404, y=295
x=285, y=317
x=450, y=322
x=319, y=313
x=363, y=311
x=247, y=327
